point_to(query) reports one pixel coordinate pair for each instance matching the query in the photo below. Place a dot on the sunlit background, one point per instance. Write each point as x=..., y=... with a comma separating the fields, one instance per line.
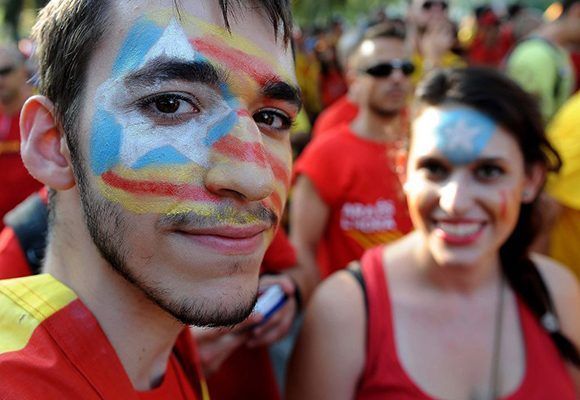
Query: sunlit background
x=21, y=13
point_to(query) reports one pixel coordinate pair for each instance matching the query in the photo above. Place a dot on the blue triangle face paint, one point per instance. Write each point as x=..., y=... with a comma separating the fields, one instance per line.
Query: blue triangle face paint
x=462, y=134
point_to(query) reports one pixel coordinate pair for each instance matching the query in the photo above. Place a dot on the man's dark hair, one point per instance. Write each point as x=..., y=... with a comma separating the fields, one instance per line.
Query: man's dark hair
x=68, y=31
x=385, y=29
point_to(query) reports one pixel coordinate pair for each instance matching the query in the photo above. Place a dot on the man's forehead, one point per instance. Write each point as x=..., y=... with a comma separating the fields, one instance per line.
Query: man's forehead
x=381, y=48
x=140, y=26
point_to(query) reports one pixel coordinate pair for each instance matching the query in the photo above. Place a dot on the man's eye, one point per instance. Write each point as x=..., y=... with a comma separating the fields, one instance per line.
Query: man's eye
x=488, y=172
x=272, y=119
x=169, y=108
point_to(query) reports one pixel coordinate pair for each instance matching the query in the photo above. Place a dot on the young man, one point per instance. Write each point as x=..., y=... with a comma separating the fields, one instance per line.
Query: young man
x=347, y=196
x=163, y=130
x=15, y=182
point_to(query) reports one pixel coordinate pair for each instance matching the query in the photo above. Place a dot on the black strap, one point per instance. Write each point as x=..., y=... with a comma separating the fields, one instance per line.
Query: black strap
x=354, y=268
x=29, y=220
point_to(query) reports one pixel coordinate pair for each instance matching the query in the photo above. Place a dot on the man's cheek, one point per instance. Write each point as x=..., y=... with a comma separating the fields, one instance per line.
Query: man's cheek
x=281, y=168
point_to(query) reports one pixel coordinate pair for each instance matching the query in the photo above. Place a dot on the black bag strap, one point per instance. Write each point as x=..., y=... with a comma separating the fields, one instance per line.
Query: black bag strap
x=354, y=268
x=29, y=220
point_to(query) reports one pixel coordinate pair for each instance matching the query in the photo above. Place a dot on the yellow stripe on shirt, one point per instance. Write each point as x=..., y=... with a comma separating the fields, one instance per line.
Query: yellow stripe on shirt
x=24, y=304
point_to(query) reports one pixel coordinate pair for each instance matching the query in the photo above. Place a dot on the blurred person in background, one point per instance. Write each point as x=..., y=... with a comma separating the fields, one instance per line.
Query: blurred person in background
x=431, y=37
x=332, y=83
x=541, y=63
x=307, y=70
x=344, y=109
x=15, y=181
x=458, y=309
x=562, y=206
x=492, y=42
x=345, y=198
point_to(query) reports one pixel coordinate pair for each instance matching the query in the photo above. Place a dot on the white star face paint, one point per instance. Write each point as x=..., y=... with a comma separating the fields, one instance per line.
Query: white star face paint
x=173, y=103
x=460, y=133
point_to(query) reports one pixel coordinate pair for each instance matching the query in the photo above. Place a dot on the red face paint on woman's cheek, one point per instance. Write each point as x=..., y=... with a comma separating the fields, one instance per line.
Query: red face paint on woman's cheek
x=503, y=204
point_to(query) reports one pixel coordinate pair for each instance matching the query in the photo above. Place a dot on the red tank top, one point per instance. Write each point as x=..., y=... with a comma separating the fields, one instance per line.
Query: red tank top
x=545, y=376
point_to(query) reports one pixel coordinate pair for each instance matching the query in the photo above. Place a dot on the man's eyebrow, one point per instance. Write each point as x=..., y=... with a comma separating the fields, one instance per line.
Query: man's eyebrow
x=278, y=90
x=165, y=69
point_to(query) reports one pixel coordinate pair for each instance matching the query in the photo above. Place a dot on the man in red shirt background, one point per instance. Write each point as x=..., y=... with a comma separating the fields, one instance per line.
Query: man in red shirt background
x=15, y=181
x=346, y=195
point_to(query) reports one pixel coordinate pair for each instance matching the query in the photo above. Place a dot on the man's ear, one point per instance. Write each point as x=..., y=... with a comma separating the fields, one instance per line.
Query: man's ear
x=535, y=177
x=43, y=145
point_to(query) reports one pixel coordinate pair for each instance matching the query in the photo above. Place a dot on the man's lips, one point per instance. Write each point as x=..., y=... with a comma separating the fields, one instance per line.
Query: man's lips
x=231, y=240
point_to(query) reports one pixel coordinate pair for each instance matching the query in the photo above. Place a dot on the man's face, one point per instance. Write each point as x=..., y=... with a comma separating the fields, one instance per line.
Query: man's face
x=423, y=12
x=382, y=93
x=185, y=154
x=12, y=77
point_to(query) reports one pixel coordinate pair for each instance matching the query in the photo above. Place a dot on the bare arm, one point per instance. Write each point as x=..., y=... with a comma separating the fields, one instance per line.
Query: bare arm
x=565, y=292
x=308, y=219
x=329, y=356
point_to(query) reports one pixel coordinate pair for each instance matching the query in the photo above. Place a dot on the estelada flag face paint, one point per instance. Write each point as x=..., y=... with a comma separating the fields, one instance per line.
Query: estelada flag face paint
x=176, y=102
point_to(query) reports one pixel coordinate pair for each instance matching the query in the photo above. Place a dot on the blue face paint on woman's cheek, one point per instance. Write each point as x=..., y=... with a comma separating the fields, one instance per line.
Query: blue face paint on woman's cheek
x=462, y=134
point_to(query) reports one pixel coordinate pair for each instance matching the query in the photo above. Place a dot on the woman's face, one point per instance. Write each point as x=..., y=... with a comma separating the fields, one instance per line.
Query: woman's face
x=464, y=183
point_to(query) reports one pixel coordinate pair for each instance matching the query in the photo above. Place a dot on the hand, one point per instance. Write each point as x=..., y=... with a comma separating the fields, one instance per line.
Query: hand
x=215, y=345
x=437, y=40
x=280, y=322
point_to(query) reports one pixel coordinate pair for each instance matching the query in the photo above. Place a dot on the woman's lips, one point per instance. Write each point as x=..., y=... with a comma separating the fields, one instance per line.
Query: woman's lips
x=459, y=233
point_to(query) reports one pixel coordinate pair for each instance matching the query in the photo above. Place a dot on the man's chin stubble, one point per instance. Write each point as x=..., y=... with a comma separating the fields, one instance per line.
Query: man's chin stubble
x=110, y=242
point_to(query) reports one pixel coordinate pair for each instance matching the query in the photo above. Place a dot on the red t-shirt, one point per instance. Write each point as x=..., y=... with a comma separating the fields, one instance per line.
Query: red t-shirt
x=356, y=179
x=545, y=376
x=342, y=111
x=15, y=181
x=54, y=348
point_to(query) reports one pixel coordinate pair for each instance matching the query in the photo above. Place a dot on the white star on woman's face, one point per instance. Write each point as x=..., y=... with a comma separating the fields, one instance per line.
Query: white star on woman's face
x=459, y=137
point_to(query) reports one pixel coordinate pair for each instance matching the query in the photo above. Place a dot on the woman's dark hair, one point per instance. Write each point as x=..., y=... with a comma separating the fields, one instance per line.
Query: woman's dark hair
x=495, y=95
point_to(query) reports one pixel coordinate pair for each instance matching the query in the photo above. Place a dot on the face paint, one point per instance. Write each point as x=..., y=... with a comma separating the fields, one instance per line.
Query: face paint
x=503, y=204
x=462, y=134
x=152, y=164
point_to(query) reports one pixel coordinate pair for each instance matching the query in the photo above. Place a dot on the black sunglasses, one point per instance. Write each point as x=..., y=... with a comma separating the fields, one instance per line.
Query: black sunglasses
x=429, y=4
x=7, y=70
x=383, y=70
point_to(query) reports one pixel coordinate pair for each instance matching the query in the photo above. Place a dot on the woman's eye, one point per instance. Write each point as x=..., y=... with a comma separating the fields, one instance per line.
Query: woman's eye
x=434, y=170
x=273, y=120
x=169, y=108
x=489, y=172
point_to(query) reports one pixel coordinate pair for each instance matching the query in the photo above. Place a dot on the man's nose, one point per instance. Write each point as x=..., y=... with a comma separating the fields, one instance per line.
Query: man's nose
x=454, y=197
x=239, y=166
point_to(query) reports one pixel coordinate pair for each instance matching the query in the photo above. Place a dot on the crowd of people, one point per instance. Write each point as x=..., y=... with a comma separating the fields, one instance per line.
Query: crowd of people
x=410, y=184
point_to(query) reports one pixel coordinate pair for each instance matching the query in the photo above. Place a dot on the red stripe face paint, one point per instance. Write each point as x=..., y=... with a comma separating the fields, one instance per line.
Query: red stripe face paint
x=210, y=120
x=503, y=204
x=252, y=66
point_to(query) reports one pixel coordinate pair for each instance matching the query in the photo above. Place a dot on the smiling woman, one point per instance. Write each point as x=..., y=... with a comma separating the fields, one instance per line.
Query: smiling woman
x=457, y=309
